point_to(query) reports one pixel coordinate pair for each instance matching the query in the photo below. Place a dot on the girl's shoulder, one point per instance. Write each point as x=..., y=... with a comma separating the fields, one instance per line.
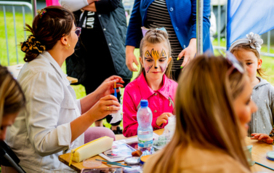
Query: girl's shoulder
x=171, y=83
x=133, y=85
x=264, y=85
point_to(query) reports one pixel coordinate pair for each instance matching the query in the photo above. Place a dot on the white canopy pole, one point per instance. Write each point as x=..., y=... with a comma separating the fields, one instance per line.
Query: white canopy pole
x=34, y=7
x=199, y=26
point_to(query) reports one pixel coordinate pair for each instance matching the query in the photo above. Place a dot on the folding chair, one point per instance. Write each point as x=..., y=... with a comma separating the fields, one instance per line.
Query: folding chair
x=8, y=158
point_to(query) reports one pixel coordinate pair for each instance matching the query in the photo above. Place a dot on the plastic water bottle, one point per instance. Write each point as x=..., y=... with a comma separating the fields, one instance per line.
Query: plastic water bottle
x=145, y=130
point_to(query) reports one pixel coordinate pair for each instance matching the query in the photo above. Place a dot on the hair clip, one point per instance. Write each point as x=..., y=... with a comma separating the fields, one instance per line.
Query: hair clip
x=255, y=41
x=41, y=12
x=145, y=30
x=161, y=29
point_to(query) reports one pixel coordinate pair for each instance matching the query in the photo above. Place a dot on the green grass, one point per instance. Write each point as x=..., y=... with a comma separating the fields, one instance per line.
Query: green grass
x=268, y=62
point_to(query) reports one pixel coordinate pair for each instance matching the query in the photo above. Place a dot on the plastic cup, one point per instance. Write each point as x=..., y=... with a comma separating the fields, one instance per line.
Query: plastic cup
x=249, y=155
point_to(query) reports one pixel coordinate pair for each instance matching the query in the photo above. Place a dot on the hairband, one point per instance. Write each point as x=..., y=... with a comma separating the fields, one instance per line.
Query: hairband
x=161, y=29
x=254, y=40
x=145, y=30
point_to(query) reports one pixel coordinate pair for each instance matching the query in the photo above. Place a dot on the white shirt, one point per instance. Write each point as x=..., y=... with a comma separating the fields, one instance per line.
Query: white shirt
x=73, y=5
x=42, y=132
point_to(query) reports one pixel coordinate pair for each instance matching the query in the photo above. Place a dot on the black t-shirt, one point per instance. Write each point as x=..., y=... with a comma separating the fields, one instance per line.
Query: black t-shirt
x=91, y=21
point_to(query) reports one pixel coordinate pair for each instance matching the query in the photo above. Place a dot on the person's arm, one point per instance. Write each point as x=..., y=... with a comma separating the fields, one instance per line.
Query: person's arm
x=105, y=106
x=189, y=52
x=262, y=137
x=106, y=6
x=130, y=123
x=134, y=36
x=45, y=134
x=206, y=14
x=75, y=5
x=134, y=32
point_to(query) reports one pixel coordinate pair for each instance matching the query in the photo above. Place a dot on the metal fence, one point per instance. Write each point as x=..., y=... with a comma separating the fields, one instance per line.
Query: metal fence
x=21, y=5
x=218, y=7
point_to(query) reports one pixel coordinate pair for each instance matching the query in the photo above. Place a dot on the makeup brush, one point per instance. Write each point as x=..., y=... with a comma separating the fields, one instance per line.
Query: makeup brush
x=115, y=92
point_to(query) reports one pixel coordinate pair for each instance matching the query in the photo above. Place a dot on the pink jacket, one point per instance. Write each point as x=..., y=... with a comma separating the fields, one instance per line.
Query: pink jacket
x=158, y=101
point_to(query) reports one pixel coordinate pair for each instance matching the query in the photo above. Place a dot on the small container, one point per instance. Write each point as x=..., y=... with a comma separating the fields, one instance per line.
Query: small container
x=270, y=155
x=132, y=160
x=144, y=159
x=248, y=153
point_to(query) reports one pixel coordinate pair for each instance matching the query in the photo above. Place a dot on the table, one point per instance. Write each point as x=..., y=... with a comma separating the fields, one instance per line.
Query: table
x=15, y=69
x=259, y=151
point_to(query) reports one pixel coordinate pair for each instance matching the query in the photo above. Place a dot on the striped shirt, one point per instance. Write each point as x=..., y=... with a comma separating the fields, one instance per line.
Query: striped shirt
x=157, y=17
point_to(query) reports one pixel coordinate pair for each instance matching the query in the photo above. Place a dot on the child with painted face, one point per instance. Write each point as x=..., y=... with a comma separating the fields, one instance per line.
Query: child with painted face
x=153, y=83
x=247, y=50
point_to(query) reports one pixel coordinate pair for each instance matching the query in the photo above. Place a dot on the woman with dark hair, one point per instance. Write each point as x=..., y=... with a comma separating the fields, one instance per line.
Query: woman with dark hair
x=54, y=121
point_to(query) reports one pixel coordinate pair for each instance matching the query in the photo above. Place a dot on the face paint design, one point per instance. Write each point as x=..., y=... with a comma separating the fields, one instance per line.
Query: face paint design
x=163, y=67
x=147, y=56
x=156, y=59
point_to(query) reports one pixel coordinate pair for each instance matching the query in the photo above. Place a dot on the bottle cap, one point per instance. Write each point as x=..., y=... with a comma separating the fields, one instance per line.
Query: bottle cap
x=144, y=103
x=270, y=155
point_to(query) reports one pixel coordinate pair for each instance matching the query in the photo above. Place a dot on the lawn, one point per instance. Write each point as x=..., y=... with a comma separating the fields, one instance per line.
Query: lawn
x=268, y=63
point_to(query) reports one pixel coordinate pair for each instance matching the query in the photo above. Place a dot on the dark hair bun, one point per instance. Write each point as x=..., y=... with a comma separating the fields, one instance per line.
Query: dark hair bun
x=49, y=26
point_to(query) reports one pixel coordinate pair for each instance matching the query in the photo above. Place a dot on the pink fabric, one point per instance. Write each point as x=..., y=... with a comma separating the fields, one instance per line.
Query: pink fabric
x=158, y=101
x=52, y=2
x=97, y=132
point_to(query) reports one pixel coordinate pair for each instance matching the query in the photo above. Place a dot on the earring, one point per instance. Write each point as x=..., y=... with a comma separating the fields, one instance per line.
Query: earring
x=68, y=46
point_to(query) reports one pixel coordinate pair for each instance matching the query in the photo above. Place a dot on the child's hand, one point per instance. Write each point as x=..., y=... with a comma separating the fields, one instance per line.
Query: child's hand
x=262, y=137
x=163, y=118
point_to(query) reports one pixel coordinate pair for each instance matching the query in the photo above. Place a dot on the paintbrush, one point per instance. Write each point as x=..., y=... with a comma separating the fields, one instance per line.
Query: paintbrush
x=112, y=163
x=264, y=166
x=115, y=92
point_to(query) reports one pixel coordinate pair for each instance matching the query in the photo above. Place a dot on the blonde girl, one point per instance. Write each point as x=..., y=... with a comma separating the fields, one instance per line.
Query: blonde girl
x=153, y=83
x=247, y=50
x=12, y=100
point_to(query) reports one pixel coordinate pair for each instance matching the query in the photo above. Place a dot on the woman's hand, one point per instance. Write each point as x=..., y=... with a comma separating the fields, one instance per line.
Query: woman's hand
x=163, y=118
x=130, y=58
x=91, y=7
x=262, y=137
x=188, y=53
x=105, y=106
x=107, y=87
